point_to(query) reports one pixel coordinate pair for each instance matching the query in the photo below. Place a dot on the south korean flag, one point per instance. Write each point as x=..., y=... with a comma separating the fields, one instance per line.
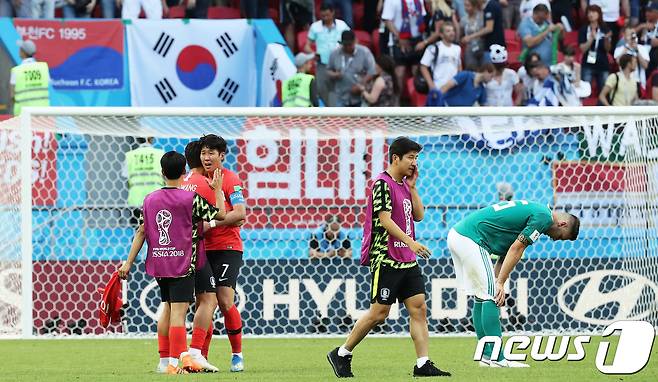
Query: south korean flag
x=191, y=63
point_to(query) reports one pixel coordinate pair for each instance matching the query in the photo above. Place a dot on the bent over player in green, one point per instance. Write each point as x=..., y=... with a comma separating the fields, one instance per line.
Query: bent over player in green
x=505, y=229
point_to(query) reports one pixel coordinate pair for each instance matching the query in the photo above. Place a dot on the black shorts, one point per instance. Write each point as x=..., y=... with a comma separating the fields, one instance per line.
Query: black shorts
x=204, y=280
x=176, y=289
x=410, y=58
x=390, y=284
x=225, y=266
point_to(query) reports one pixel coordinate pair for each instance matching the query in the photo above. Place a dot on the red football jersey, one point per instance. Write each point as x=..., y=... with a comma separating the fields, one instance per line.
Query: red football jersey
x=227, y=238
x=197, y=183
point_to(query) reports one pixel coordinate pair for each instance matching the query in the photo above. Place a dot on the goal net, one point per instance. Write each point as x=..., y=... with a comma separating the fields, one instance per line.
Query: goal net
x=303, y=167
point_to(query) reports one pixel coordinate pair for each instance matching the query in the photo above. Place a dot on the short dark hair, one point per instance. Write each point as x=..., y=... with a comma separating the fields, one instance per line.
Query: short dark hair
x=213, y=142
x=173, y=165
x=569, y=50
x=326, y=7
x=402, y=146
x=540, y=8
x=575, y=227
x=529, y=59
x=193, y=154
x=625, y=60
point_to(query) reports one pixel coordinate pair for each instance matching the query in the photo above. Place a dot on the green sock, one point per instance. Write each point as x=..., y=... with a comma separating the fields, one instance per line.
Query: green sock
x=477, y=318
x=491, y=325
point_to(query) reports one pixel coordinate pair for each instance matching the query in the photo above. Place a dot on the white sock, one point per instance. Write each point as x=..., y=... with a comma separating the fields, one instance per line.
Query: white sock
x=164, y=362
x=195, y=352
x=173, y=361
x=421, y=361
x=342, y=351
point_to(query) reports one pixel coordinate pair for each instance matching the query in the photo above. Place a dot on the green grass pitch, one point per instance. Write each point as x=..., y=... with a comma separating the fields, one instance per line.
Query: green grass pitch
x=294, y=359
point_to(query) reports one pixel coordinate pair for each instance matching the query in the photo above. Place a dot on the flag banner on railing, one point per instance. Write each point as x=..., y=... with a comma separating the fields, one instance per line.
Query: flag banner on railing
x=191, y=63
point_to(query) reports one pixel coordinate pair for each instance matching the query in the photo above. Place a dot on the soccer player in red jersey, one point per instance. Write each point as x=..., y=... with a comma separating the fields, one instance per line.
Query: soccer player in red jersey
x=204, y=281
x=223, y=243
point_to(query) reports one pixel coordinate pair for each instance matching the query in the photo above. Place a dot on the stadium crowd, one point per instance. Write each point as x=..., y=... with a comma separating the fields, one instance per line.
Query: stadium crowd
x=434, y=52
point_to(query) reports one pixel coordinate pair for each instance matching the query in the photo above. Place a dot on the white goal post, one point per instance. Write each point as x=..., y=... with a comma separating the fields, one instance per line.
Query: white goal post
x=68, y=225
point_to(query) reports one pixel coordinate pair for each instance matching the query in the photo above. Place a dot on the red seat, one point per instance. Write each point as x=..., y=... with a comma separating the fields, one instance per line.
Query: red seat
x=273, y=13
x=416, y=98
x=364, y=38
x=570, y=38
x=177, y=12
x=357, y=15
x=223, y=13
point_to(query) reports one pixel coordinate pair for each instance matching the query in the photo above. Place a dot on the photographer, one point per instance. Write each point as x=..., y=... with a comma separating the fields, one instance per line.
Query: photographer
x=629, y=46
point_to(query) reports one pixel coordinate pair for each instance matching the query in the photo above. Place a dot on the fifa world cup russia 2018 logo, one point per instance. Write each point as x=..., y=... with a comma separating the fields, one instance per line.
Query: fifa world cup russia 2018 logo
x=406, y=205
x=163, y=221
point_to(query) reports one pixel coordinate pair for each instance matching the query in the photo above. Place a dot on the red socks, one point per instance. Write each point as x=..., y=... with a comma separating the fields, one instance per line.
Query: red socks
x=177, y=341
x=206, y=343
x=163, y=346
x=198, y=338
x=233, y=324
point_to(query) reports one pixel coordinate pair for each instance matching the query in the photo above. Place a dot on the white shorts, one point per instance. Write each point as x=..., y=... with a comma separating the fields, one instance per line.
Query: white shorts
x=132, y=8
x=475, y=273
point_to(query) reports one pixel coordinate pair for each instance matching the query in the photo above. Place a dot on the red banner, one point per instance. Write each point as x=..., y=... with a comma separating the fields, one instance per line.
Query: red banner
x=44, y=168
x=295, y=177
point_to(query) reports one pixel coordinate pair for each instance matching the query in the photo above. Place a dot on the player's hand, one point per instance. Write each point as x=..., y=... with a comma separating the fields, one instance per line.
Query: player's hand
x=420, y=250
x=499, y=297
x=217, y=180
x=124, y=270
x=411, y=180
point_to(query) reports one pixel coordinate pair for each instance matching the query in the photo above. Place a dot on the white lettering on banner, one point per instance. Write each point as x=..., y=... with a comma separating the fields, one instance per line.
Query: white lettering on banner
x=495, y=130
x=311, y=169
x=350, y=300
x=267, y=138
x=263, y=150
x=597, y=137
x=10, y=151
x=437, y=310
x=322, y=299
x=352, y=159
x=36, y=33
x=291, y=299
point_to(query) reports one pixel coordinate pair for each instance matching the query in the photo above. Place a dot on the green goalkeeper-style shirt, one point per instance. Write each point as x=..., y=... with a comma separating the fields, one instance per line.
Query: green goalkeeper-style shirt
x=496, y=227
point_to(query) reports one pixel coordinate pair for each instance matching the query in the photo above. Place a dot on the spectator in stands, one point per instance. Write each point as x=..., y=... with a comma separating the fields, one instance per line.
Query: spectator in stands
x=330, y=241
x=153, y=9
x=621, y=88
x=505, y=81
x=325, y=33
x=300, y=90
x=471, y=23
x=296, y=15
x=349, y=65
x=610, y=10
x=561, y=10
x=383, y=89
x=546, y=95
x=536, y=33
x=567, y=74
x=251, y=9
x=493, y=32
x=38, y=9
x=594, y=40
x=527, y=7
x=648, y=35
x=404, y=20
x=78, y=9
x=13, y=8
x=441, y=13
x=442, y=60
x=530, y=82
x=511, y=13
x=468, y=88
x=505, y=191
x=629, y=46
x=345, y=8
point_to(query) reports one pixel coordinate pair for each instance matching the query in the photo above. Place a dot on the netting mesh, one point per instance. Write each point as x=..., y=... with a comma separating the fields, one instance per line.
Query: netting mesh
x=298, y=171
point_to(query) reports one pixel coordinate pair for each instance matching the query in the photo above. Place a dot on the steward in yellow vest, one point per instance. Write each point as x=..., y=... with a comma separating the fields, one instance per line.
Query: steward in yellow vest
x=300, y=90
x=29, y=80
x=143, y=172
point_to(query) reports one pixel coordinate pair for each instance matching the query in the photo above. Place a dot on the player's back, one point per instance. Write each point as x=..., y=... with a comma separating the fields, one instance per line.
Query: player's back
x=198, y=183
x=496, y=227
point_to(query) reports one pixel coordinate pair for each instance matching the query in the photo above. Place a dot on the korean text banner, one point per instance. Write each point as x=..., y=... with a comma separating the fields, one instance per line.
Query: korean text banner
x=81, y=55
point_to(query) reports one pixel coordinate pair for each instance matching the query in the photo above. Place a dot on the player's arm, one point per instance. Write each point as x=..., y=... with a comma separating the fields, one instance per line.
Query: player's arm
x=513, y=256
x=138, y=242
x=236, y=217
x=395, y=231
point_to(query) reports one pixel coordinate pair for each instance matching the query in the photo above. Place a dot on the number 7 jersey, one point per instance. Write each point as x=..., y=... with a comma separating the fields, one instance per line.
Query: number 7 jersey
x=496, y=227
